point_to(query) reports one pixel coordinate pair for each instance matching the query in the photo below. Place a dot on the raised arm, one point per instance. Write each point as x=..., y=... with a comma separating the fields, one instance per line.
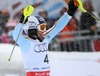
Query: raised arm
x=58, y=26
x=62, y=22
x=22, y=42
x=17, y=34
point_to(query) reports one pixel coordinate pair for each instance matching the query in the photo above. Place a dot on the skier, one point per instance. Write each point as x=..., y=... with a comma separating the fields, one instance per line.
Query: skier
x=34, y=47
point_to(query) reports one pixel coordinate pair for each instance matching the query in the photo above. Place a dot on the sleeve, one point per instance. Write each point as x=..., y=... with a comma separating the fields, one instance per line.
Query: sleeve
x=22, y=42
x=61, y=23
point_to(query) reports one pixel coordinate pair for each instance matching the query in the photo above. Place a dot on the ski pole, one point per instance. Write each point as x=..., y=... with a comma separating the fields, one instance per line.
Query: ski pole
x=80, y=5
x=26, y=12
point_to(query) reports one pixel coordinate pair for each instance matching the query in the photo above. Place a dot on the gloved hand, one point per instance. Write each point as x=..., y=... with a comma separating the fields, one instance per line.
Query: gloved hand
x=73, y=6
x=22, y=19
x=26, y=12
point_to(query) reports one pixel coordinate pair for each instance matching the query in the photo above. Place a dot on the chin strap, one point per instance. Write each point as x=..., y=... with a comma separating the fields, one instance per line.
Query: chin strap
x=40, y=39
x=33, y=37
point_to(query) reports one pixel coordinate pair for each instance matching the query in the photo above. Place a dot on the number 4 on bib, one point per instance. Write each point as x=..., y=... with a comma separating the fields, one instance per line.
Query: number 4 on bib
x=46, y=59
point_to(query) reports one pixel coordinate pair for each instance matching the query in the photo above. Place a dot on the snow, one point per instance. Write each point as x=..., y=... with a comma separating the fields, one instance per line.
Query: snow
x=62, y=63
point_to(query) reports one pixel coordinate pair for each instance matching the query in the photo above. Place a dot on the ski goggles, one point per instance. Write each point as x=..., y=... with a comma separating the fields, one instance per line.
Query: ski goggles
x=42, y=27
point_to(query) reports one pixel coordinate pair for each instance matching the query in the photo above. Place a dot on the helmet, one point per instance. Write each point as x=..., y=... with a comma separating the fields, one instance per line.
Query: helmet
x=35, y=22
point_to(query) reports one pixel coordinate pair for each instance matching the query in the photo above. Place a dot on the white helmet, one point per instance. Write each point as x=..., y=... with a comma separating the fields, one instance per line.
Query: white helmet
x=35, y=22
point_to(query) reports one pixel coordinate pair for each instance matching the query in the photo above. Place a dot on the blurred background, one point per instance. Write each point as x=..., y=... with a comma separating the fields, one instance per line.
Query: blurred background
x=81, y=34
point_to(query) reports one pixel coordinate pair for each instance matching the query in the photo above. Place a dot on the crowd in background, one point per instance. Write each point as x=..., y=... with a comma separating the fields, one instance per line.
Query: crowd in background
x=80, y=22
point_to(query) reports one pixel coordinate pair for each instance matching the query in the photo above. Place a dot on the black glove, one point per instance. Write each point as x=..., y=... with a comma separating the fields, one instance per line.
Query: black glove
x=22, y=19
x=72, y=8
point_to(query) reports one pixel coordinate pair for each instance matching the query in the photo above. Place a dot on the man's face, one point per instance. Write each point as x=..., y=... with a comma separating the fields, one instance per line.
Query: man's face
x=40, y=35
x=35, y=34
